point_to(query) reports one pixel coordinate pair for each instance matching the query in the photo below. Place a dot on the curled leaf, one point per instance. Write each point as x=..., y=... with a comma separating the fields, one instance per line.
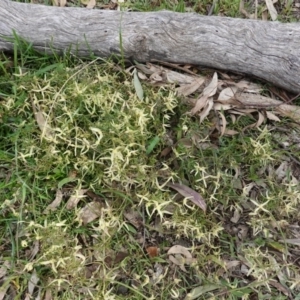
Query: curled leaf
x=189, y=193
x=56, y=202
x=178, y=249
x=180, y=256
x=222, y=128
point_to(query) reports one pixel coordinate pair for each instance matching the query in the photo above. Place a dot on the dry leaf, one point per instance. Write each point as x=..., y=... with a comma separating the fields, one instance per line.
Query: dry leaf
x=44, y=127
x=156, y=77
x=272, y=117
x=223, y=107
x=157, y=275
x=90, y=212
x=146, y=69
x=3, y=290
x=243, y=112
x=175, y=77
x=91, y=4
x=48, y=295
x=257, y=124
x=141, y=75
x=208, y=92
x=271, y=9
x=281, y=288
x=256, y=7
x=34, y=279
x=291, y=111
x=187, y=192
x=291, y=241
x=119, y=6
x=232, y=264
x=244, y=269
x=187, y=89
x=242, y=231
x=199, y=104
x=134, y=218
x=223, y=125
x=264, y=15
x=258, y=101
x=114, y=258
x=180, y=256
x=164, y=75
x=236, y=216
x=178, y=249
x=233, y=118
x=165, y=151
x=178, y=260
x=75, y=198
x=85, y=2
x=187, y=142
x=282, y=171
x=3, y=269
x=93, y=196
x=226, y=99
x=247, y=189
x=211, y=89
x=120, y=256
x=230, y=132
x=207, y=109
x=248, y=87
x=56, y=202
x=60, y=3
x=152, y=251
x=33, y=252
x=227, y=93
x=261, y=119
x=243, y=11
x=90, y=269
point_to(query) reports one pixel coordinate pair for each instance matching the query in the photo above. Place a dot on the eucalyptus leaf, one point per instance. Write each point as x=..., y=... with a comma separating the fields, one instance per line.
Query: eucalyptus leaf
x=189, y=193
x=137, y=85
x=200, y=290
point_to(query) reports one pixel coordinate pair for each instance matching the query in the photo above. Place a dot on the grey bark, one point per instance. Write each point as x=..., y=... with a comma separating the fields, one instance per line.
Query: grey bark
x=268, y=50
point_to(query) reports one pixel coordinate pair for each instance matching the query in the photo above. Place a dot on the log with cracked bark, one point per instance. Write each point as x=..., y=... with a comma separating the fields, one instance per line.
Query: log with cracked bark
x=267, y=50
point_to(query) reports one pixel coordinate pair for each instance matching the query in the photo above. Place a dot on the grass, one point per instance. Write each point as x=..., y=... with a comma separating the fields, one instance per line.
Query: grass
x=76, y=131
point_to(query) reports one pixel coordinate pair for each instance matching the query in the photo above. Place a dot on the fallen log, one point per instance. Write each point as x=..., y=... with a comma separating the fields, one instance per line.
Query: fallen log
x=268, y=50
